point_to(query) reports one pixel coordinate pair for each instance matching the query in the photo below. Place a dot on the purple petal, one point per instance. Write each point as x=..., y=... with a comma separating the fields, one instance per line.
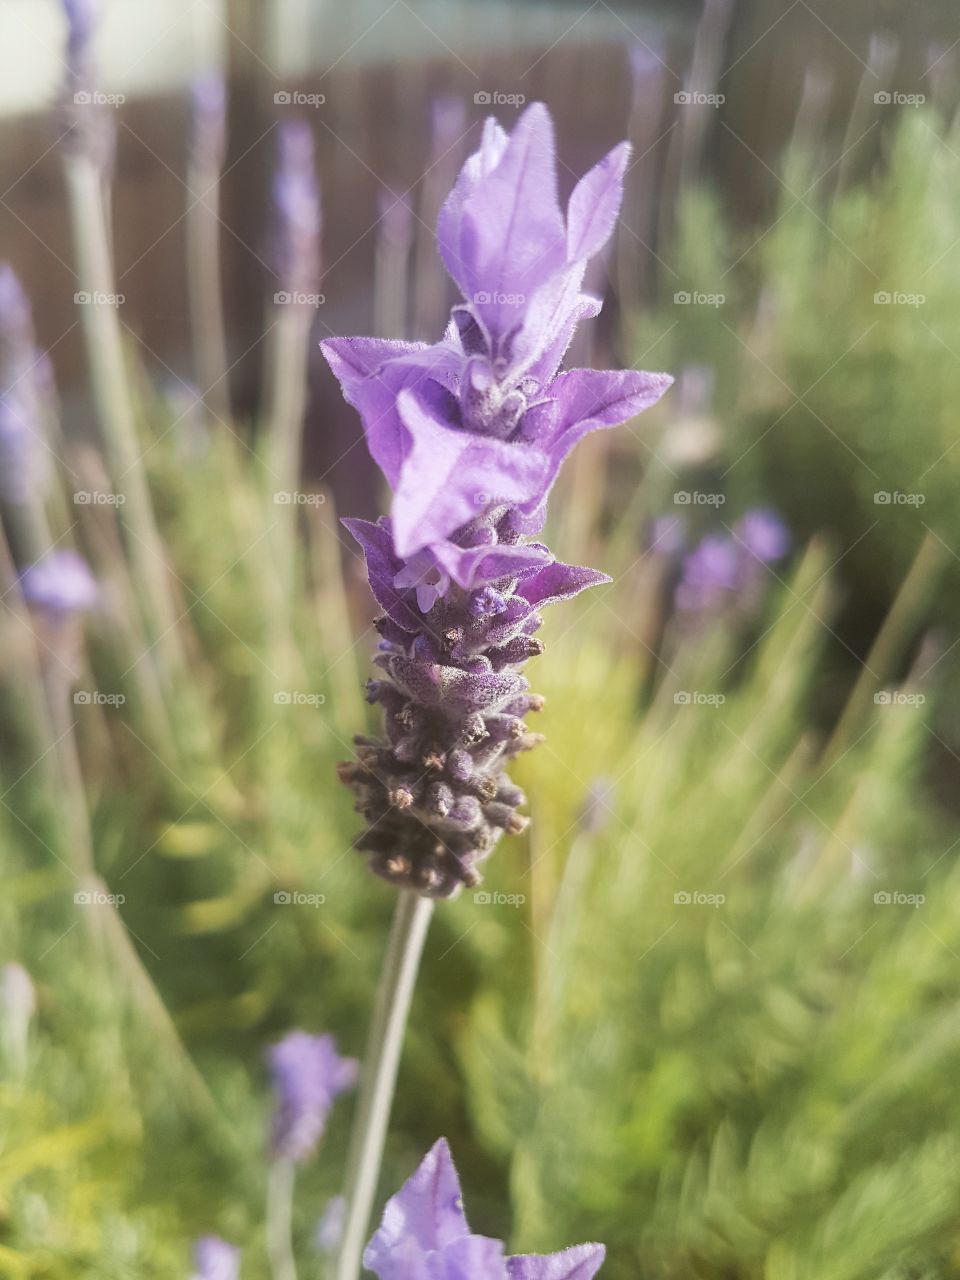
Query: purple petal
x=450, y=221
x=585, y=308
x=382, y=569
x=472, y=566
x=427, y=1213
x=596, y=398
x=474, y=1258
x=512, y=236
x=595, y=205
x=582, y=1262
x=356, y=364
x=451, y=476
x=559, y=582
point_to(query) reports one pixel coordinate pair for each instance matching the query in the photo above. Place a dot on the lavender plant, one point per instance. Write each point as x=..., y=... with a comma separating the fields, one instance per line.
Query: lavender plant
x=470, y=433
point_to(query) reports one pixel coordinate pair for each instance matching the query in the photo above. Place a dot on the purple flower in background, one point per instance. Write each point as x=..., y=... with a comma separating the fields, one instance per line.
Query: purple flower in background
x=308, y=1075
x=727, y=569
x=470, y=433
x=425, y=1234
x=296, y=198
x=24, y=389
x=209, y=102
x=215, y=1259
x=60, y=583
x=764, y=535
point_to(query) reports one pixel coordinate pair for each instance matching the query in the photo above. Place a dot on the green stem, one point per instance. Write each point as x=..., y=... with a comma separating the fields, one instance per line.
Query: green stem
x=280, y=1179
x=379, y=1077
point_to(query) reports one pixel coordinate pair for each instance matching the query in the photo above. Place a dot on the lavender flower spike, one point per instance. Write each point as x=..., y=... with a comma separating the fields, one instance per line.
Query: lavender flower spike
x=61, y=583
x=216, y=1260
x=470, y=433
x=308, y=1075
x=425, y=1233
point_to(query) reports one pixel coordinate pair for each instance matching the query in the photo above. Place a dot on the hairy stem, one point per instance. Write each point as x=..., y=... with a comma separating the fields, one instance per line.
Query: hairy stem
x=378, y=1079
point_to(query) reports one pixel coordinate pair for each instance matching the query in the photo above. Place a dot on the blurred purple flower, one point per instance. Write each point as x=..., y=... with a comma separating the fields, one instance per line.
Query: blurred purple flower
x=728, y=570
x=764, y=535
x=329, y=1230
x=215, y=1259
x=668, y=535
x=308, y=1075
x=60, y=583
x=424, y=1233
x=396, y=218
x=296, y=198
x=448, y=121
x=209, y=102
x=25, y=392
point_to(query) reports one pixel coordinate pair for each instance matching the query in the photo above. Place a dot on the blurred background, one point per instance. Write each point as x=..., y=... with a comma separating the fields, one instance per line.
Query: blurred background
x=709, y=1011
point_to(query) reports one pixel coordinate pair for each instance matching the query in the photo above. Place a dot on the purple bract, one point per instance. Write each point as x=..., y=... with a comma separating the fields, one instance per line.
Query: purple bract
x=424, y=1234
x=470, y=433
